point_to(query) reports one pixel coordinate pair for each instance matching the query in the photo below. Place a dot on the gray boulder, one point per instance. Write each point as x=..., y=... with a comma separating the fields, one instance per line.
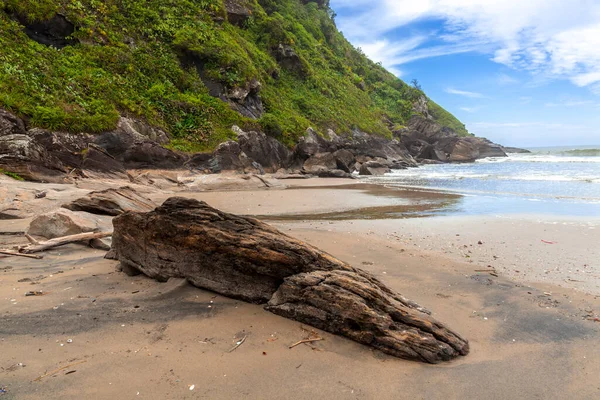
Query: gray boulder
x=63, y=222
x=319, y=163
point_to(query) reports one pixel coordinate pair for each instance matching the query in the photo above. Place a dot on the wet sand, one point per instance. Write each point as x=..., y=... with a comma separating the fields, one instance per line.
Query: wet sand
x=131, y=337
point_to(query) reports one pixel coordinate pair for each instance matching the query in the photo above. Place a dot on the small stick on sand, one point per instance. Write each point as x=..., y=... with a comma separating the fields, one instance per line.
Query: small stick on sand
x=12, y=253
x=305, y=341
x=31, y=240
x=39, y=378
x=238, y=344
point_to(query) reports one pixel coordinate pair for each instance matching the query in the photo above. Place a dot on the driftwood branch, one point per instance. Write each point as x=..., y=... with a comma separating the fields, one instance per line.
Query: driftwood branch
x=61, y=241
x=39, y=378
x=238, y=344
x=305, y=341
x=13, y=253
x=31, y=240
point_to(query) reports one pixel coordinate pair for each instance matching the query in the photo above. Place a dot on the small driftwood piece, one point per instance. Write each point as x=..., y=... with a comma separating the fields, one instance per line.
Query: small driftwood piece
x=13, y=253
x=61, y=241
x=31, y=240
x=305, y=341
x=238, y=344
x=39, y=378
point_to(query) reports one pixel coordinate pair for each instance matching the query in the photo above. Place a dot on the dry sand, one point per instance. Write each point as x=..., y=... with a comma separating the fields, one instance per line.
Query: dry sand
x=132, y=338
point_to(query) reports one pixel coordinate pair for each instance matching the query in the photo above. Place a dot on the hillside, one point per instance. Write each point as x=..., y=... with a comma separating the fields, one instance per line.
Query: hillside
x=195, y=68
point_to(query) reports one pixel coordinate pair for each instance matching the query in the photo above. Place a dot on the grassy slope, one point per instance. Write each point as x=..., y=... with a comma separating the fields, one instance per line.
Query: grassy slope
x=127, y=63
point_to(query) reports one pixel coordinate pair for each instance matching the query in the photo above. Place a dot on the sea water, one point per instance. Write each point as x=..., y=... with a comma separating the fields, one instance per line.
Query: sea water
x=558, y=181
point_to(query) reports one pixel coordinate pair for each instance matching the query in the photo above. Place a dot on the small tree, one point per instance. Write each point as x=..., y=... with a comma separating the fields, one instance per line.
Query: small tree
x=416, y=85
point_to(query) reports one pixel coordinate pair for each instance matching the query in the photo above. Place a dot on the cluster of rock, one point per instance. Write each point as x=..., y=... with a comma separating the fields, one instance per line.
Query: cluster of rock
x=426, y=141
x=42, y=155
x=246, y=259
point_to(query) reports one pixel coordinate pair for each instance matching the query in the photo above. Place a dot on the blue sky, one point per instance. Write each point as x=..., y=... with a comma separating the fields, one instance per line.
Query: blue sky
x=519, y=72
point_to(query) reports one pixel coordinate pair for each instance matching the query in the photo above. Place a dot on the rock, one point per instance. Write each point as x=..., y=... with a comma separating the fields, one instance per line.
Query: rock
x=243, y=258
x=238, y=11
x=38, y=154
x=359, y=307
x=429, y=162
x=426, y=139
x=141, y=131
x=486, y=148
x=344, y=159
x=98, y=161
x=63, y=222
x=289, y=59
x=311, y=144
x=421, y=107
x=111, y=202
x=100, y=244
x=464, y=151
x=137, y=145
x=54, y=32
x=45, y=156
x=151, y=155
x=319, y=163
x=265, y=150
x=247, y=101
x=334, y=173
x=127, y=269
x=375, y=169
x=363, y=144
x=515, y=150
x=11, y=124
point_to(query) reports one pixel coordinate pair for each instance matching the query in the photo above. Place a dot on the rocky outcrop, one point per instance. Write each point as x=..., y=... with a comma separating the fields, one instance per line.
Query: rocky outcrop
x=111, y=202
x=373, y=155
x=238, y=11
x=515, y=150
x=246, y=259
x=55, y=32
x=289, y=59
x=426, y=139
x=42, y=155
x=246, y=100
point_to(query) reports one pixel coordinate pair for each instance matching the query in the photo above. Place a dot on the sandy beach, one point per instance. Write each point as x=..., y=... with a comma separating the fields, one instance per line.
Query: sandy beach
x=96, y=333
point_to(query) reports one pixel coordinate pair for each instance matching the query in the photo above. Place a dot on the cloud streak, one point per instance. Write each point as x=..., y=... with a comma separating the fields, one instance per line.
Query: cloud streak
x=465, y=93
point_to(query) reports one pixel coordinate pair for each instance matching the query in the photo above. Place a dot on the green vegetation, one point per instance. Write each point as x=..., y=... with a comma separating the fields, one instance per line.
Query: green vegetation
x=11, y=175
x=131, y=60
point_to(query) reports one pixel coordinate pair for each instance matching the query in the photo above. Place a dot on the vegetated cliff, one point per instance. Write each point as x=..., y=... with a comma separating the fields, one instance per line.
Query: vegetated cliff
x=195, y=68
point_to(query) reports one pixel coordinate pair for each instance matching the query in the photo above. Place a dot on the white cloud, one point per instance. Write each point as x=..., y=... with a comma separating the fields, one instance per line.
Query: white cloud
x=551, y=38
x=472, y=95
x=525, y=99
x=470, y=109
x=570, y=103
x=505, y=79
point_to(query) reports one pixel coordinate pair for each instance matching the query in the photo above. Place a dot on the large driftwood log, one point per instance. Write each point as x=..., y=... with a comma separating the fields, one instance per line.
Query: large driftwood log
x=244, y=258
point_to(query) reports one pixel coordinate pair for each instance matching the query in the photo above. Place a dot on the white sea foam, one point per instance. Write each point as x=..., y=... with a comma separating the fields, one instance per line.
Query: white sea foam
x=540, y=158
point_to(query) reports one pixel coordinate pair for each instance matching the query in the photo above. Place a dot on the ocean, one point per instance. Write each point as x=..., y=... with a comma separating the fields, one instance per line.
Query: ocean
x=562, y=181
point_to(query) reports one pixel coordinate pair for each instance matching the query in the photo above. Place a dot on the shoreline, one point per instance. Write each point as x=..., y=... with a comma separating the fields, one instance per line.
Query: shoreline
x=528, y=339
